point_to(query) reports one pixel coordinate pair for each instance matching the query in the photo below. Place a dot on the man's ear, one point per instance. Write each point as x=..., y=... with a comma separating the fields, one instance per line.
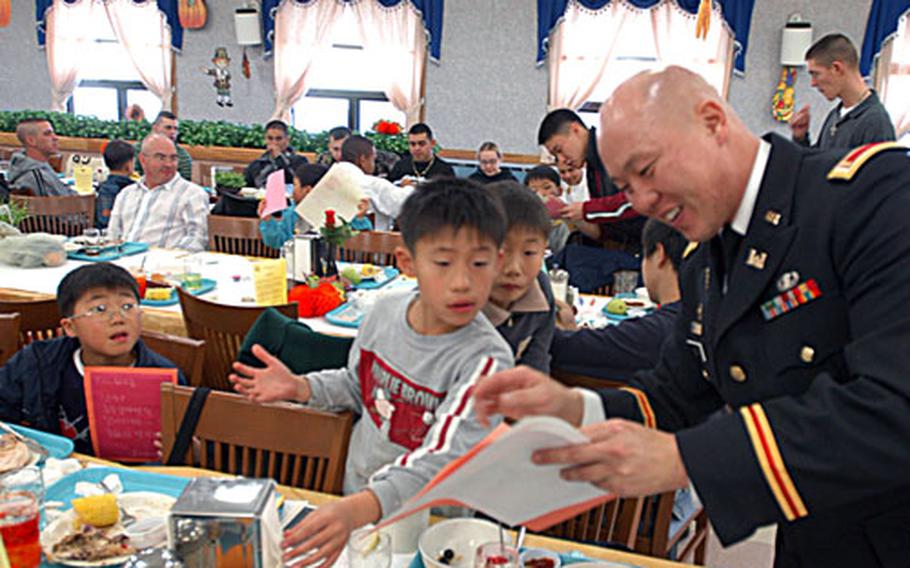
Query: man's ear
x=713, y=116
x=405, y=261
x=838, y=67
x=68, y=328
x=663, y=259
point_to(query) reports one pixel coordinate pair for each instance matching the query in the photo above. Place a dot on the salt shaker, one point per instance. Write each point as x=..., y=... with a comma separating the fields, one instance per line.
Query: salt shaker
x=559, y=282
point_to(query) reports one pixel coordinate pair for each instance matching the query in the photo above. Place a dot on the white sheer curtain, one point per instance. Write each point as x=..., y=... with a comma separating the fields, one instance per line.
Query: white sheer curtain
x=301, y=31
x=143, y=32
x=676, y=44
x=579, y=51
x=66, y=44
x=396, y=38
x=892, y=77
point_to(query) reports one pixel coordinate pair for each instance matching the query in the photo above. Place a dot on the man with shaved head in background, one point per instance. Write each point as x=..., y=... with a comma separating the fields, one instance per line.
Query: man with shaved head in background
x=782, y=394
x=30, y=171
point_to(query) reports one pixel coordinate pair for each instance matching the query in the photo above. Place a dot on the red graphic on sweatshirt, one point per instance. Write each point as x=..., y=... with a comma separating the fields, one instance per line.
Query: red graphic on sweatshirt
x=402, y=409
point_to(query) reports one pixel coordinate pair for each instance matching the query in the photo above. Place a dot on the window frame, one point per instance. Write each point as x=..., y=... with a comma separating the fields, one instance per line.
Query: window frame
x=120, y=86
x=352, y=97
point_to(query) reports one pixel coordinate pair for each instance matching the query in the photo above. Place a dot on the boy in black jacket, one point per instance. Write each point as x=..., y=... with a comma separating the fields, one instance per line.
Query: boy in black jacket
x=42, y=386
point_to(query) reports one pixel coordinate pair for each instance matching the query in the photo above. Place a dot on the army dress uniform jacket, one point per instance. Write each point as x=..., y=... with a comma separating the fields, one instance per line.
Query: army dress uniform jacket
x=808, y=353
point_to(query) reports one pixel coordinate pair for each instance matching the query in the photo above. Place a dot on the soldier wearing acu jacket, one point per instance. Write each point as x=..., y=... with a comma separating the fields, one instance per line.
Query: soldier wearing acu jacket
x=784, y=393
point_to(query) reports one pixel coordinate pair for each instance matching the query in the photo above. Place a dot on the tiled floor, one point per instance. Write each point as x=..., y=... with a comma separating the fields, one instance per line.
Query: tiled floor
x=756, y=552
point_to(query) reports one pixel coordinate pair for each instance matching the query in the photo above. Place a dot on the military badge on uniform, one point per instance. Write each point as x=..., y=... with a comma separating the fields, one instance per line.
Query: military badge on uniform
x=791, y=299
x=772, y=217
x=756, y=259
x=787, y=281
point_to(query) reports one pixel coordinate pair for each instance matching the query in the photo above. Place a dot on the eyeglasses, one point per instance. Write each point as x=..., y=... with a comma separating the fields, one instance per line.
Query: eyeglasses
x=164, y=157
x=126, y=309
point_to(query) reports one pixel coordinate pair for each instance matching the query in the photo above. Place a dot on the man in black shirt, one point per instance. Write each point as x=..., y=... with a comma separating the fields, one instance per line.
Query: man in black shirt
x=278, y=155
x=422, y=163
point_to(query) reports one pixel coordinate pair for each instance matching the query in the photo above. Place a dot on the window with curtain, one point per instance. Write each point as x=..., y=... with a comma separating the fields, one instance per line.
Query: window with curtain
x=593, y=51
x=108, y=80
x=892, y=79
x=345, y=83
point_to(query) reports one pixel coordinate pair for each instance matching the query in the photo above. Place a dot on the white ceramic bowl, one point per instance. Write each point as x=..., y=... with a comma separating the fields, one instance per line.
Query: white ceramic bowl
x=463, y=536
x=537, y=553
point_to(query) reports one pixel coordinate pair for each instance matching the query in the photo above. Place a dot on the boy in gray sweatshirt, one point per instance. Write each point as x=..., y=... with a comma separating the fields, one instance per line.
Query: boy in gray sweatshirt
x=411, y=369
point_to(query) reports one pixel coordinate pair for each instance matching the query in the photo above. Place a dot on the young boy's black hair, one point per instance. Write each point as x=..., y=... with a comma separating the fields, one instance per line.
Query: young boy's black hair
x=542, y=172
x=310, y=174
x=118, y=154
x=655, y=232
x=451, y=204
x=522, y=207
x=98, y=275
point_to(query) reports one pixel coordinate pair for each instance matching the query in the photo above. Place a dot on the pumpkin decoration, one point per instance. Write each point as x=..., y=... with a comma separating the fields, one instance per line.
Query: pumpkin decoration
x=4, y=13
x=192, y=14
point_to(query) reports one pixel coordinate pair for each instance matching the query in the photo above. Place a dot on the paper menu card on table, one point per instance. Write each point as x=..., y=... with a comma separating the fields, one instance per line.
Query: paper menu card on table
x=275, y=194
x=82, y=176
x=339, y=189
x=497, y=478
x=124, y=410
x=270, y=281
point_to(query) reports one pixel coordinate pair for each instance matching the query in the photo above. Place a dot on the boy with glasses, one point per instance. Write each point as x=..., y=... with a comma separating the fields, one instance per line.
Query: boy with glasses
x=42, y=384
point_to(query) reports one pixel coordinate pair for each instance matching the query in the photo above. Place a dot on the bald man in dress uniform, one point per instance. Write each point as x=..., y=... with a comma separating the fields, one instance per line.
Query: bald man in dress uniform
x=784, y=393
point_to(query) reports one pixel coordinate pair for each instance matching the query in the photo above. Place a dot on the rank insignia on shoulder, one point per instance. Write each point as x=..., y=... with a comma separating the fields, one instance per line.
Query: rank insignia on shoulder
x=854, y=160
x=791, y=299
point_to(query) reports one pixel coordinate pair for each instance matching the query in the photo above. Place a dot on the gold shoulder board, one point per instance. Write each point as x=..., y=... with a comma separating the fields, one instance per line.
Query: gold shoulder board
x=854, y=160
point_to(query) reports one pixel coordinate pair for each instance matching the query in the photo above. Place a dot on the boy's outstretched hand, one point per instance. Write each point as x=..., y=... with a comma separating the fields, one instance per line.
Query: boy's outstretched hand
x=521, y=392
x=274, y=382
x=323, y=534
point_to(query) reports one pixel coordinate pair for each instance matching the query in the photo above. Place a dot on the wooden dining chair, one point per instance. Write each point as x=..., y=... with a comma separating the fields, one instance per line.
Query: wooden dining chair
x=238, y=235
x=188, y=354
x=571, y=379
x=59, y=215
x=223, y=328
x=38, y=319
x=615, y=522
x=292, y=444
x=9, y=336
x=374, y=247
x=690, y=538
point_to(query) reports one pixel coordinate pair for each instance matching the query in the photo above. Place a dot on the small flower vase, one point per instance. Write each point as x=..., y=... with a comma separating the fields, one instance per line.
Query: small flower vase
x=329, y=268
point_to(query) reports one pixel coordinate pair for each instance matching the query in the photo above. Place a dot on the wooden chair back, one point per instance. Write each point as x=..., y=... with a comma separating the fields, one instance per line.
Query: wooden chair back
x=188, y=354
x=9, y=336
x=691, y=535
x=571, y=379
x=291, y=444
x=222, y=328
x=374, y=247
x=38, y=319
x=61, y=215
x=238, y=235
x=615, y=521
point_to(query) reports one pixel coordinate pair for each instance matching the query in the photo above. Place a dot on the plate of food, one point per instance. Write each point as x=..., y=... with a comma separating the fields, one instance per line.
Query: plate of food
x=367, y=276
x=619, y=309
x=21, y=446
x=106, y=529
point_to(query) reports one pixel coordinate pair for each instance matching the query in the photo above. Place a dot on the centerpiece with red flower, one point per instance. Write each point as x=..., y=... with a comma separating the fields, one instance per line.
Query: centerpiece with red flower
x=334, y=234
x=388, y=127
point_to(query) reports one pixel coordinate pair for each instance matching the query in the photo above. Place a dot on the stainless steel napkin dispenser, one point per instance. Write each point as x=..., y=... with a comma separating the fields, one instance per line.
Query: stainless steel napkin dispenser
x=226, y=523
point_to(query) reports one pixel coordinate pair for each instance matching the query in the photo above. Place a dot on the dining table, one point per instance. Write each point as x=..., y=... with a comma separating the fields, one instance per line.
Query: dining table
x=316, y=499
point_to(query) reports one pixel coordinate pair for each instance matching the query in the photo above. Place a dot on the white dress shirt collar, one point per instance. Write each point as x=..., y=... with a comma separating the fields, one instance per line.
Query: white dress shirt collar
x=740, y=222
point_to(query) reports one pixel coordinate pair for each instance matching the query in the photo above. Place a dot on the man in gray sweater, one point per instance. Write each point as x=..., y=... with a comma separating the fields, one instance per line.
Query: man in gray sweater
x=860, y=117
x=29, y=170
x=411, y=369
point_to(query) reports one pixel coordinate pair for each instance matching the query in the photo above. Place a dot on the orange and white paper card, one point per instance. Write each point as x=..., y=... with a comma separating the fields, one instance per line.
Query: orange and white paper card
x=498, y=478
x=124, y=410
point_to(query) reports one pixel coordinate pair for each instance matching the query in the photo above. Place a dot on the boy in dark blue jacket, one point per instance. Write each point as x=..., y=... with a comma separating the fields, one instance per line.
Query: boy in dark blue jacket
x=41, y=386
x=118, y=157
x=521, y=305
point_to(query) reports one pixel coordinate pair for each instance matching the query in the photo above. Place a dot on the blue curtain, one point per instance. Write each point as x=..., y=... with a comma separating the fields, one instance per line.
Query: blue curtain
x=430, y=11
x=168, y=7
x=737, y=13
x=883, y=19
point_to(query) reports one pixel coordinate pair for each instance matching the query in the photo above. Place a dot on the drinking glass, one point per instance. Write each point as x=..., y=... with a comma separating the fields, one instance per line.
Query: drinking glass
x=496, y=555
x=29, y=479
x=92, y=239
x=192, y=273
x=625, y=282
x=369, y=549
x=19, y=528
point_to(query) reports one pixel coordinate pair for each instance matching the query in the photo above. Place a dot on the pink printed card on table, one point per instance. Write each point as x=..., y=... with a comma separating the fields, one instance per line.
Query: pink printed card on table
x=124, y=410
x=275, y=194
